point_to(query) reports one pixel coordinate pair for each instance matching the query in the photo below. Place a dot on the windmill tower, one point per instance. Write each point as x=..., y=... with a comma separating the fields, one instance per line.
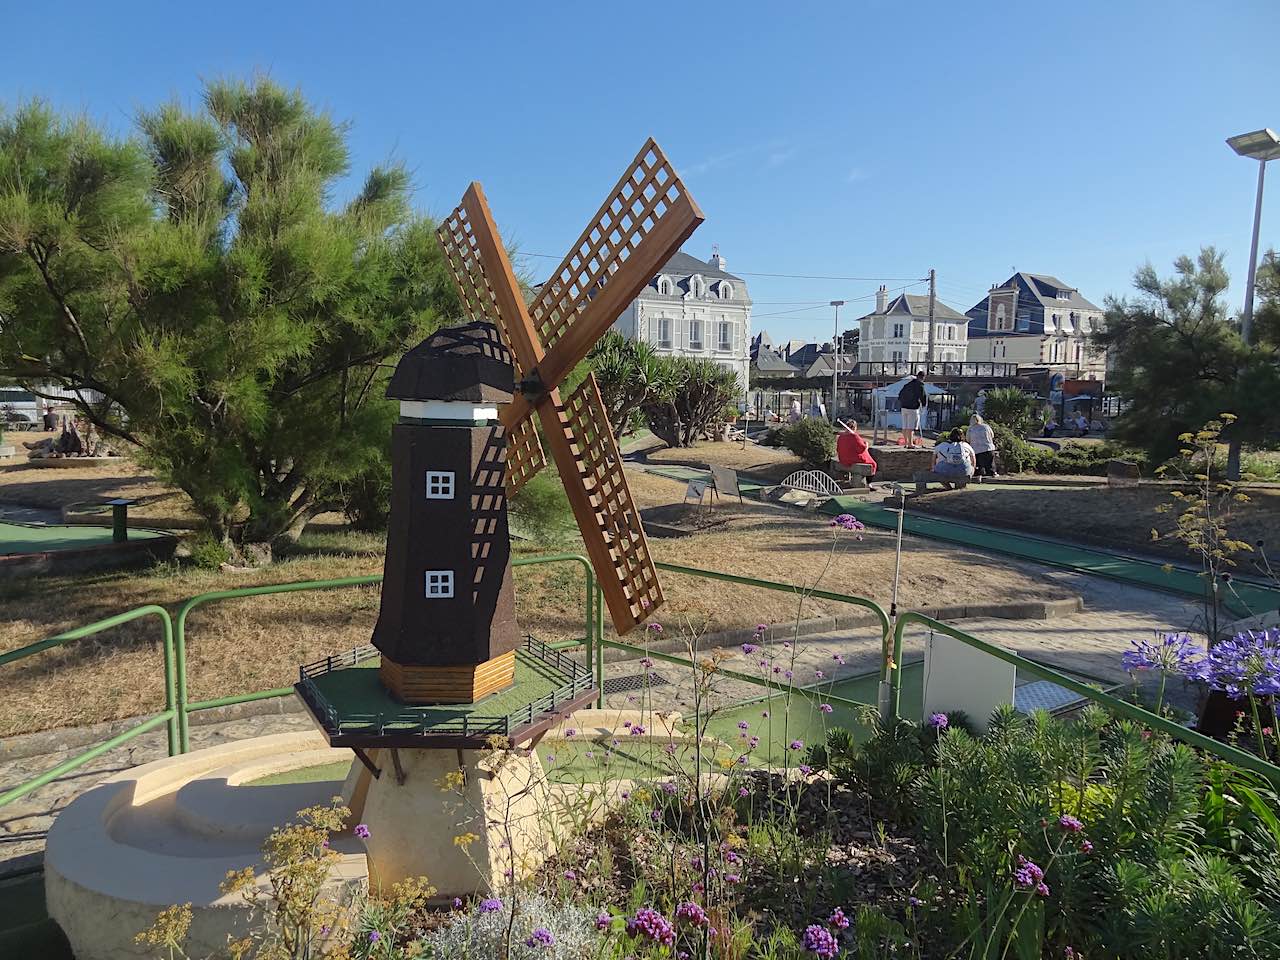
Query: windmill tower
x=453, y=670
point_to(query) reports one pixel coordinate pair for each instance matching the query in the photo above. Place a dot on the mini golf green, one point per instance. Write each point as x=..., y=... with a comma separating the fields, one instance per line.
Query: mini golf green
x=1249, y=597
x=18, y=538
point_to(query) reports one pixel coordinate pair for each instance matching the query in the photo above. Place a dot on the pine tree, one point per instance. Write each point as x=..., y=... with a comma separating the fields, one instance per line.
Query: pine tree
x=213, y=304
x=1179, y=360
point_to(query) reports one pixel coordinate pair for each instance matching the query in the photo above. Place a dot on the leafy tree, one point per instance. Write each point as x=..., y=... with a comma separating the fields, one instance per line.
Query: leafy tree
x=691, y=396
x=1180, y=361
x=628, y=373
x=212, y=304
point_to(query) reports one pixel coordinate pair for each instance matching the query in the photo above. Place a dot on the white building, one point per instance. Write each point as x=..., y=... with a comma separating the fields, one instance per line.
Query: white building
x=899, y=330
x=1037, y=320
x=694, y=309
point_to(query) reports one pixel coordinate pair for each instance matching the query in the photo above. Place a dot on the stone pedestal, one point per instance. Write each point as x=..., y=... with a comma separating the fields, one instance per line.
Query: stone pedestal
x=467, y=820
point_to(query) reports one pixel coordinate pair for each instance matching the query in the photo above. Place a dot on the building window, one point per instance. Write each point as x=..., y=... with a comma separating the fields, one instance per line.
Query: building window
x=439, y=583
x=725, y=335
x=897, y=355
x=664, y=332
x=697, y=286
x=664, y=286
x=897, y=331
x=1064, y=294
x=695, y=334
x=439, y=484
x=726, y=290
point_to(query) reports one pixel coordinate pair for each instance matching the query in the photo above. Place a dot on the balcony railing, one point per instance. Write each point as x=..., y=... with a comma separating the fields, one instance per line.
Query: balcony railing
x=938, y=370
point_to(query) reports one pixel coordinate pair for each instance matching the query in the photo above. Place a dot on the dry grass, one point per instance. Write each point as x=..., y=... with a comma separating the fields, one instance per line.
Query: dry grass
x=252, y=644
x=55, y=488
x=766, y=463
x=1114, y=517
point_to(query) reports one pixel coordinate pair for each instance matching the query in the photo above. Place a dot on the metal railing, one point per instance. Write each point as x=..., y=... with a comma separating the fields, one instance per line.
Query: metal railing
x=1115, y=705
x=169, y=715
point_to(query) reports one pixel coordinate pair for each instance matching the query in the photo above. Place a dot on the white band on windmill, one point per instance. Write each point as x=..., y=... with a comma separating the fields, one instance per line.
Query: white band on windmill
x=454, y=411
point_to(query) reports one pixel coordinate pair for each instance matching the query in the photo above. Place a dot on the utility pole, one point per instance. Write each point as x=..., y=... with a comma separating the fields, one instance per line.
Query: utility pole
x=835, y=370
x=933, y=299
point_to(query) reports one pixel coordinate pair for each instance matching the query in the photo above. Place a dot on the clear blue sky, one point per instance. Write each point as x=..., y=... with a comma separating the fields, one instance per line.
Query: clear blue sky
x=854, y=139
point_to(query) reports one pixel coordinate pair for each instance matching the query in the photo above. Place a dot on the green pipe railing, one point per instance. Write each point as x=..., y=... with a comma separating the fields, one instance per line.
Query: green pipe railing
x=169, y=716
x=1240, y=758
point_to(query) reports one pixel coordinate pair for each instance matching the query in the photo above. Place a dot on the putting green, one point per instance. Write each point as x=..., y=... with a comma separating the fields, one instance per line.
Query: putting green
x=37, y=538
x=1243, y=599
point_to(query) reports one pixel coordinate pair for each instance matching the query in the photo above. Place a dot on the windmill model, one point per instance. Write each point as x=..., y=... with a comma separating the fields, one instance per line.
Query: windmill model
x=453, y=667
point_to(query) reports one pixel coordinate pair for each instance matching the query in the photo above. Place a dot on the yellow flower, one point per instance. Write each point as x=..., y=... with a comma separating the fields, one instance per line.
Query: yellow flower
x=453, y=780
x=465, y=840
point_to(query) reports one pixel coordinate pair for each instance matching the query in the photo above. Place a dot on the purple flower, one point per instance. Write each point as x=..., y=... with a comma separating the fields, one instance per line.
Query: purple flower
x=749, y=648
x=761, y=627
x=646, y=662
x=1069, y=824
x=541, y=937
x=603, y=920
x=847, y=521
x=655, y=627
x=805, y=769
x=744, y=792
x=732, y=879
x=571, y=732
x=1246, y=665
x=819, y=675
x=838, y=658
x=490, y=905
x=651, y=925
x=743, y=725
x=915, y=901
x=825, y=707
x=637, y=730
x=796, y=745
x=374, y=936
x=764, y=714
x=457, y=903
x=1028, y=875
x=362, y=831
x=655, y=816
x=1174, y=653
x=838, y=919
x=692, y=914
x=819, y=941
x=668, y=787
x=939, y=721
x=753, y=742
x=570, y=875
x=1086, y=846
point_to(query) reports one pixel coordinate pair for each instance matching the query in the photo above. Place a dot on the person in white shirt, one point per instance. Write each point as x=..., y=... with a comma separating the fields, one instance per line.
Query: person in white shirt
x=954, y=458
x=983, y=440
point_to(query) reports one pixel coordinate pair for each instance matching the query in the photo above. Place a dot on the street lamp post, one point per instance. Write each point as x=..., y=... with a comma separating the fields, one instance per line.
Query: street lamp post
x=1261, y=145
x=835, y=367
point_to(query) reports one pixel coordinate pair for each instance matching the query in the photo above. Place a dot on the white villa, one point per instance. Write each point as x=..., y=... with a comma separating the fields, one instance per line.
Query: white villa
x=694, y=309
x=899, y=330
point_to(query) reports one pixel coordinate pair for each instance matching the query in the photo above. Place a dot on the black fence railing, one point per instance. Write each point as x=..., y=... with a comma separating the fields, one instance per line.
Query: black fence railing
x=939, y=369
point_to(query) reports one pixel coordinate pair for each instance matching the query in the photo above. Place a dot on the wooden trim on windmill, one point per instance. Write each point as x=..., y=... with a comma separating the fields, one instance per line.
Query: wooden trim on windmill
x=447, y=626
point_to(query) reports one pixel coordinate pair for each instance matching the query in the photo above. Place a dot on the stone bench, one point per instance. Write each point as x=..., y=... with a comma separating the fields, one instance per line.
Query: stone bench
x=855, y=475
x=924, y=477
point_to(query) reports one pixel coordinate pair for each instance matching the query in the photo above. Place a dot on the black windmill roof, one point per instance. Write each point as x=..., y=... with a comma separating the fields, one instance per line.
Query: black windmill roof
x=468, y=362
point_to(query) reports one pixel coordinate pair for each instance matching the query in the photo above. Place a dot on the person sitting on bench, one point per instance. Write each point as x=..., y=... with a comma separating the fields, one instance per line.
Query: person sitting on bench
x=851, y=448
x=953, y=457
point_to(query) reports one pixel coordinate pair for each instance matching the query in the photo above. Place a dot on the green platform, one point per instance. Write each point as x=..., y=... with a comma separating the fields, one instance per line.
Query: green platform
x=19, y=538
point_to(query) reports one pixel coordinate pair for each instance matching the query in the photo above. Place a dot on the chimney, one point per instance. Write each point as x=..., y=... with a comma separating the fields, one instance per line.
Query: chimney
x=716, y=260
x=882, y=299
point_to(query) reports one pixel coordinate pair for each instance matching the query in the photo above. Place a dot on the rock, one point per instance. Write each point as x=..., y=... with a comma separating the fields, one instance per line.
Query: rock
x=1122, y=473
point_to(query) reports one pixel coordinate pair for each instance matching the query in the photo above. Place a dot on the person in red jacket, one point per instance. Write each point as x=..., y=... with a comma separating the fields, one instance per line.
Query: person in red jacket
x=851, y=448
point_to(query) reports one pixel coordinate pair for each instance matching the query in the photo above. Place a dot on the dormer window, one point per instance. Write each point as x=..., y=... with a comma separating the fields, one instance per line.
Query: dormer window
x=1064, y=294
x=697, y=286
x=726, y=290
x=665, y=286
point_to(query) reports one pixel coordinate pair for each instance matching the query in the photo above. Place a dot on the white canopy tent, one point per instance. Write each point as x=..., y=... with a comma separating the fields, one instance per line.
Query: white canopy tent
x=884, y=403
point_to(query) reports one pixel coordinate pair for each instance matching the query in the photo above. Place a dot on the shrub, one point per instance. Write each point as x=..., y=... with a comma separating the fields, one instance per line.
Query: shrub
x=688, y=398
x=812, y=440
x=1010, y=407
x=490, y=932
x=208, y=553
x=1014, y=453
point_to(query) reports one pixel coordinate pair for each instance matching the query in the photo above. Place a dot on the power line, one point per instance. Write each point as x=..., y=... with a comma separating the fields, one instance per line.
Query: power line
x=783, y=276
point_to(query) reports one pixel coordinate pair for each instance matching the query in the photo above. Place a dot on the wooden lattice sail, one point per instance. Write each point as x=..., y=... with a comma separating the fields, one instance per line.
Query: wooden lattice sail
x=639, y=226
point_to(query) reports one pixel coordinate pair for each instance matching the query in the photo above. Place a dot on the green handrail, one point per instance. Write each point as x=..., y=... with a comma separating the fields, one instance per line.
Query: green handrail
x=185, y=708
x=168, y=716
x=1237, y=756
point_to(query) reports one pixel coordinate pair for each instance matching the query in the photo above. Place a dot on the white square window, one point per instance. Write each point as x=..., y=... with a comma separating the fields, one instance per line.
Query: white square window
x=439, y=583
x=439, y=484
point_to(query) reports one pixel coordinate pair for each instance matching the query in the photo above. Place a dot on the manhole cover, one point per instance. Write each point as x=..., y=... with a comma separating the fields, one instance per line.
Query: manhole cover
x=637, y=682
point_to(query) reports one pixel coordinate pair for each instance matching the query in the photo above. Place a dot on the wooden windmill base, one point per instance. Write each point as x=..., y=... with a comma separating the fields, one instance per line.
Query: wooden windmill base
x=462, y=684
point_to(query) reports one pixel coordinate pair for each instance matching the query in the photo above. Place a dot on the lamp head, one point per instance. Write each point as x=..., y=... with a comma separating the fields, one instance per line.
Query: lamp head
x=1261, y=144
